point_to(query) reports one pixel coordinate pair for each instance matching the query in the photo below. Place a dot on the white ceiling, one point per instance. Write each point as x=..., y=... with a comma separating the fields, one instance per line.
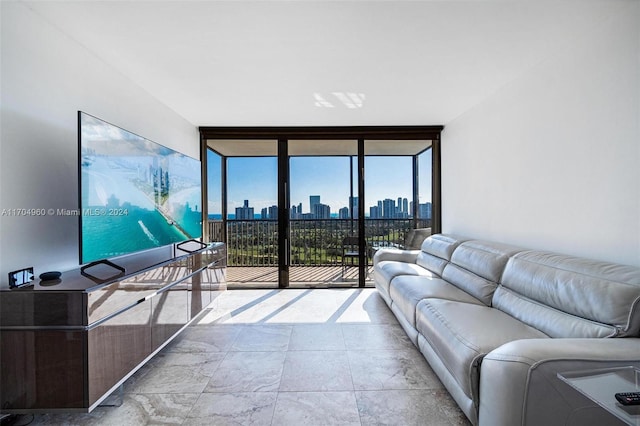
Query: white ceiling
x=322, y=63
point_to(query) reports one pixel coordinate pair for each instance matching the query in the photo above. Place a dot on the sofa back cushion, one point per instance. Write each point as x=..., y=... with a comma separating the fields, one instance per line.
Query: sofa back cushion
x=436, y=251
x=476, y=267
x=566, y=296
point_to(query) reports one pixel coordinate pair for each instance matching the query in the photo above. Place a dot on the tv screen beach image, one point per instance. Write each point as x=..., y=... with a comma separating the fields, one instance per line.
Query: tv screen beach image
x=135, y=194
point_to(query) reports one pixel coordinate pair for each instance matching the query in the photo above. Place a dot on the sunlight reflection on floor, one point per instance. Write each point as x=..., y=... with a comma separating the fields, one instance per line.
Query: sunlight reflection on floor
x=294, y=306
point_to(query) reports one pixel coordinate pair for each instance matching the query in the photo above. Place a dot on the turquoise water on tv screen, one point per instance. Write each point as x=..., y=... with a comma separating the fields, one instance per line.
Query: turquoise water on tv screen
x=110, y=236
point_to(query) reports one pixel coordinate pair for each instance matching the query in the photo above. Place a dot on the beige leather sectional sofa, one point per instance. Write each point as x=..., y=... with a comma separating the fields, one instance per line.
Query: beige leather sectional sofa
x=497, y=323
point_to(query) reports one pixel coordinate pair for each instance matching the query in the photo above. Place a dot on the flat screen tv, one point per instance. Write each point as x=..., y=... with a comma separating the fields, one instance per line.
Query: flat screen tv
x=135, y=194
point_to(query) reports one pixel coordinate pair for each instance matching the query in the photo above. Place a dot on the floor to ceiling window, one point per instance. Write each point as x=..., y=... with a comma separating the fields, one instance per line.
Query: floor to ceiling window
x=321, y=193
x=244, y=212
x=388, y=198
x=292, y=201
x=252, y=217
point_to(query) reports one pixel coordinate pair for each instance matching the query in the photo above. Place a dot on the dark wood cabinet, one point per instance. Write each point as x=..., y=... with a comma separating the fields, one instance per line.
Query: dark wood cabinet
x=116, y=347
x=67, y=346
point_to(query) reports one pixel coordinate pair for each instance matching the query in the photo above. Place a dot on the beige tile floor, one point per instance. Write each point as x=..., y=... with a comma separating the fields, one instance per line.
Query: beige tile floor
x=283, y=357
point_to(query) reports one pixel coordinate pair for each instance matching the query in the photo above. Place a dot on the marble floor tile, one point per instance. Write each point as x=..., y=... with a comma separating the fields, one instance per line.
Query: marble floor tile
x=316, y=371
x=198, y=364
x=257, y=307
x=259, y=314
x=309, y=306
x=136, y=409
x=448, y=406
x=241, y=409
x=316, y=408
x=375, y=336
x=205, y=339
x=303, y=314
x=400, y=407
x=363, y=306
x=170, y=379
x=263, y=338
x=207, y=362
x=248, y=372
x=231, y=304
x=391, y=369
x=320, y=337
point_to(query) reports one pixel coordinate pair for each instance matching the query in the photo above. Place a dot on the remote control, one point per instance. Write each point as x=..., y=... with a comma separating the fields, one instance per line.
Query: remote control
x=628, y=398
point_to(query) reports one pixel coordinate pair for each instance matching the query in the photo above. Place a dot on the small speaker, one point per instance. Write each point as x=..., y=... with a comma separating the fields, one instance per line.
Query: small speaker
x=51, y=275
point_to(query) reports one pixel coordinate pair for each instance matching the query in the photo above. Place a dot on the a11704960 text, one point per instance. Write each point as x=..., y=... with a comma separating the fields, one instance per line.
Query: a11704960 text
x=96, y=211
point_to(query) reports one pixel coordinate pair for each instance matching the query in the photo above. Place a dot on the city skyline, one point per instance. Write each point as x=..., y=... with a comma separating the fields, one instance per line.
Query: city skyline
x=255, y=179
x=388, y=208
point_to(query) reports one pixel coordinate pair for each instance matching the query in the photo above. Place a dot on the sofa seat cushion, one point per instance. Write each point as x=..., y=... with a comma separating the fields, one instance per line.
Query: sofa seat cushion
x=407, y=290
x=463, y=333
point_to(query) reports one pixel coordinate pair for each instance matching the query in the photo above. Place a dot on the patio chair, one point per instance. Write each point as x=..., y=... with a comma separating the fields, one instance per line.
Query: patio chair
x=351, y=251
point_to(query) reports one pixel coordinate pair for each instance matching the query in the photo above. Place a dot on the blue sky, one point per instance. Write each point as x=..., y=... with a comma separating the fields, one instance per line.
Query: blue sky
x=255, y=179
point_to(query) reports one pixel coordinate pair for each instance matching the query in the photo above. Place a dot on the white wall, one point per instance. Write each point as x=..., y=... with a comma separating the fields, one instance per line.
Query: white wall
x=46, y=78
x=552, y=160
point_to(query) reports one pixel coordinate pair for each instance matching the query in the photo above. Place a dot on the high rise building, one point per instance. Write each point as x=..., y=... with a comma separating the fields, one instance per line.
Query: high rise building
x=296, y=212
x=264, y=214
x=388, y=208
x=353, y=205
x=424, y=211
x=245, y=212
x=343, y=213
x=273, y=212
x=322, y=211
x=313, y=201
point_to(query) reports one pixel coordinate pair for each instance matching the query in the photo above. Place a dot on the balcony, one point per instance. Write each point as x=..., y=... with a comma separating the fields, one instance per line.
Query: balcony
x=315, y=249
x=317, y=172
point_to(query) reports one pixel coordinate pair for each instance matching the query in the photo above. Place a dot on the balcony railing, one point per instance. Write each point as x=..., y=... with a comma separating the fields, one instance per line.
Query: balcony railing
x=313, y=242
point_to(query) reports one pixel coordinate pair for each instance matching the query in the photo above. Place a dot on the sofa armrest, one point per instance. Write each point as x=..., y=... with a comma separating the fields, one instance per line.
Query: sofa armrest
x=519, y=383
x=407, y=256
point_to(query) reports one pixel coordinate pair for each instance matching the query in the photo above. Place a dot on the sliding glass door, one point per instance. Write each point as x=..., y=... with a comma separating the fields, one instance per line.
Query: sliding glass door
x=246, y=213
x=311, y=206
x=321, y=213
